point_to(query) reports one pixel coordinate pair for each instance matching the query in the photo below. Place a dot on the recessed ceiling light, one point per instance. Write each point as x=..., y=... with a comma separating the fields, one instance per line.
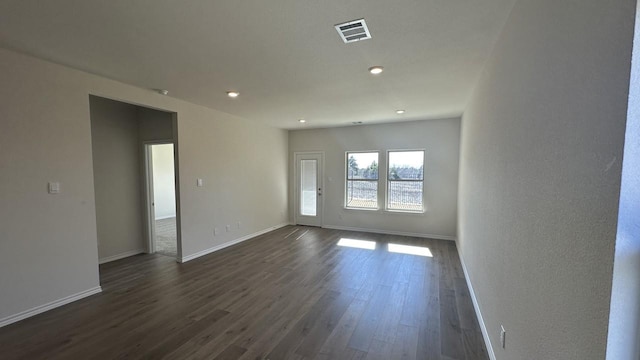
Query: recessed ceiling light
x=399, y=112
x=302, y=121
x=233, y=94
x=375, y=70
x=163, y=92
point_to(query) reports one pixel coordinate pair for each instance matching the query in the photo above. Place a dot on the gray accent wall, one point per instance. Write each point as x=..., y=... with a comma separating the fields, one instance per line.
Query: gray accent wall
x=117, y=177
x=541, y=157
x=155, y=125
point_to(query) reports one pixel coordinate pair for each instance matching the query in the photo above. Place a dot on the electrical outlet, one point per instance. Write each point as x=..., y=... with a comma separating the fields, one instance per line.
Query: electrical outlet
x=503, y=336
x=216, y=231
x=228, y=227
x=239, y=224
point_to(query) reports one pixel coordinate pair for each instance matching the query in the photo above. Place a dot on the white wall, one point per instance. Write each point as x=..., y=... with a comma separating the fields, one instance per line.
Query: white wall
x=117, y=177
x=541, y=155
x=624, y=318
x=164, y=185
x=48, y=247
x=439, y=138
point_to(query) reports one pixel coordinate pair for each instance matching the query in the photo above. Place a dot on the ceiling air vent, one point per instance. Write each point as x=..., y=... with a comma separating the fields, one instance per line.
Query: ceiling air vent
x=353, y=31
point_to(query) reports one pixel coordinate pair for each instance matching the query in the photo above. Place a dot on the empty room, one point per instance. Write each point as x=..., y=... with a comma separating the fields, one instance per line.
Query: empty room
x=447, y=180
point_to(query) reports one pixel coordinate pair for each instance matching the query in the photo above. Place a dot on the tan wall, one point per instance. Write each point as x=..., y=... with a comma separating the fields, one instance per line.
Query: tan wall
x=155, y=125
x=48, y=247
x=117, y=177
x=624, y=318
x=541, y=153
x=439, y=138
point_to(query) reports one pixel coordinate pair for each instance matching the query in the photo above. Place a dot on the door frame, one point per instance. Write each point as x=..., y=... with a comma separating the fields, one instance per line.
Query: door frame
x=149, y=209
x=296, y=185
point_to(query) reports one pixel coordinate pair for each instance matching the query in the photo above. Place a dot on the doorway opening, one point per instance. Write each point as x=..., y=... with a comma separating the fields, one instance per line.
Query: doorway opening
x=161, y=199
x=121, y=133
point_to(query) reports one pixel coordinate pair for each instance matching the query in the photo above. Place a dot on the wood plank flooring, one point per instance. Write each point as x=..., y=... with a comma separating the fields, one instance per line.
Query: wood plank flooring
x=289, y=294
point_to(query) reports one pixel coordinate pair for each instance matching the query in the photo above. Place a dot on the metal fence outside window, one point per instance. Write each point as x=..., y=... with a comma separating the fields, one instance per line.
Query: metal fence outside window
x=402, y=195
x=405, y=195
x=362, y=193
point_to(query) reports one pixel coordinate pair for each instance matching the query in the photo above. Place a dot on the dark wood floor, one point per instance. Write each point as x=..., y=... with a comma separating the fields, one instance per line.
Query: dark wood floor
x=288, y=294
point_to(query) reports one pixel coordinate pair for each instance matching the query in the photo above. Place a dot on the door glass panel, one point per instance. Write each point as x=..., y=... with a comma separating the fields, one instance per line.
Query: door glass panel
x=308, y=185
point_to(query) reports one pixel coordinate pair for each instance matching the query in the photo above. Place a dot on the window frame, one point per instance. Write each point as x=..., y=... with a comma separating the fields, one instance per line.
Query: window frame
x=346, y=180
x=389, y=181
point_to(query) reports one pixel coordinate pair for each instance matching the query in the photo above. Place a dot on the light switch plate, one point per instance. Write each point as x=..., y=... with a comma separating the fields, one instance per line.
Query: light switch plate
x=54, y=187
x=200, y=182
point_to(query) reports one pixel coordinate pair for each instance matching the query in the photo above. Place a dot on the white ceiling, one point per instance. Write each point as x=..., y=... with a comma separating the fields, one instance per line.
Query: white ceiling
x=284, y=56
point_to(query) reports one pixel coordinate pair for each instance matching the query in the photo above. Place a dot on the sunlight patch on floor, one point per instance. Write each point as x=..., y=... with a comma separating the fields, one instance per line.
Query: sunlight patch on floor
x=411, y=250
x=360, y=244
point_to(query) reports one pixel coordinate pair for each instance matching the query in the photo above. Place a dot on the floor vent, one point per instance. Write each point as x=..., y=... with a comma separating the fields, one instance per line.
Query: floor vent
x=353, y=31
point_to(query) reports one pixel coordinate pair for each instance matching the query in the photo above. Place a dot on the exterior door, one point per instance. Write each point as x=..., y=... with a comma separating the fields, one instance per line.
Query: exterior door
x=309, y=189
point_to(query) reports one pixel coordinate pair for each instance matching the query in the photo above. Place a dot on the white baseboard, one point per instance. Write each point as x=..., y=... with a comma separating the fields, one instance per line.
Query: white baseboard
x=389, y=232
x=230, y=243
x=48, y=306
x=483, y=327
x=121, y=256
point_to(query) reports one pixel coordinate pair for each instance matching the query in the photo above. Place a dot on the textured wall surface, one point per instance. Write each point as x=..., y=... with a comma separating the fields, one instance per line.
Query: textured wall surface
x=541, y=153
x=117, y=177
x=439, y=138
x=244, y=168
x=48, y=243
x=624, y=319
x=48, y=247
x=155, y=125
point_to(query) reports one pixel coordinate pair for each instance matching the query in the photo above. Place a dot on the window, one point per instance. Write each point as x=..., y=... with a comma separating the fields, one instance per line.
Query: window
x=362, y=180
x=405, y=180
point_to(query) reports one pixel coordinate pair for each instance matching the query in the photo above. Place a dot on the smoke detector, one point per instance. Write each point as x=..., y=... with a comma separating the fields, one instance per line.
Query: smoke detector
x=353, y=31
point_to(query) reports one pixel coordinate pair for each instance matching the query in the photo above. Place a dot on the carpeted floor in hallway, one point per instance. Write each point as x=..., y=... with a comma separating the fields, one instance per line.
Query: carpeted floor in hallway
x=166, y=238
